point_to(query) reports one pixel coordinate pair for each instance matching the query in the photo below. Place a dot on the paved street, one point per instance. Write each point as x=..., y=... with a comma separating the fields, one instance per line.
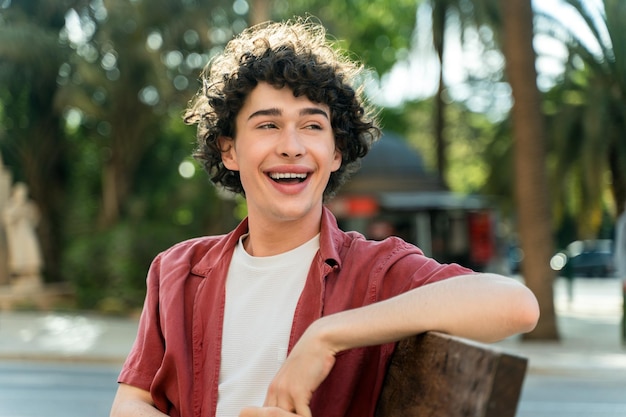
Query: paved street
x=36, y=389
x=41, y=389
x=573, y=396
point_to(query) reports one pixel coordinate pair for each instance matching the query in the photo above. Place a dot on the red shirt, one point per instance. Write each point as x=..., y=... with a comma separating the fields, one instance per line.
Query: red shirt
x=176, y=355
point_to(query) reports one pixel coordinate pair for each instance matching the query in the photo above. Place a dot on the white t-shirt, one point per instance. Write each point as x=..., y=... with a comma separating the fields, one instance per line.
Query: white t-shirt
x=261, y=297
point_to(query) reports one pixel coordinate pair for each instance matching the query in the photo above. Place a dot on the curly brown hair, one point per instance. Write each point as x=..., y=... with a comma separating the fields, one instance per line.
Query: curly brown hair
x=294, y=54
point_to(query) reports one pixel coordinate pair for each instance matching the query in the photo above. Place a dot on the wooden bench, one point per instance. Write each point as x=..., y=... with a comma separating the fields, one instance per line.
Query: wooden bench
x=437, y=375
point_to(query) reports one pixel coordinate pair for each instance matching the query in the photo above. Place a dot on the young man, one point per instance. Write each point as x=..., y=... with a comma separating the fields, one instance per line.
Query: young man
x=288, y=315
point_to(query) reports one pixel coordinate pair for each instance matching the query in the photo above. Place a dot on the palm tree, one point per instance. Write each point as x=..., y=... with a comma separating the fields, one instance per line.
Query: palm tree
x=589, y=115
x=440, y=10
x=534, y=219
x=475, y=14
x=511, y=22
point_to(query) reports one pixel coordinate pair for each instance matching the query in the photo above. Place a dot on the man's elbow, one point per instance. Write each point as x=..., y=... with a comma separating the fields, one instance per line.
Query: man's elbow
x=527, y=311
x=133, y=401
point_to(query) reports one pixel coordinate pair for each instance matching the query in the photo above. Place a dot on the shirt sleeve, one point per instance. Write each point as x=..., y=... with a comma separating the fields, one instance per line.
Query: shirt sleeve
x=147, y=352
x=408, y=268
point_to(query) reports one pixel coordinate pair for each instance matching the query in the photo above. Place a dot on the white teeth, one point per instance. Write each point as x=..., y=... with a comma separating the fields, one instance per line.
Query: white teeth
x=281, y=175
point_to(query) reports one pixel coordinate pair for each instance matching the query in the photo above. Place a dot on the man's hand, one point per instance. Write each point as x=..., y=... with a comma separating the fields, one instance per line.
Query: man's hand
x=306, y=367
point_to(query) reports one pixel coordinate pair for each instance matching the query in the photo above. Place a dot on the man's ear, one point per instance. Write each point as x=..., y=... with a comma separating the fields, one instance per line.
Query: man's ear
x=229, y=155
x=337, y=159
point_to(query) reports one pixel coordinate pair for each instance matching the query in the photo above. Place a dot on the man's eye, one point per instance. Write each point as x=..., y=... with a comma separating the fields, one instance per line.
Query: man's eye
x=267, y=126
x=314, y=127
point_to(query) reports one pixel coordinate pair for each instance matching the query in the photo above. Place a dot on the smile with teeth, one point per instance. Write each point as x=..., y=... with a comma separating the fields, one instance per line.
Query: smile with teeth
x=288, y=176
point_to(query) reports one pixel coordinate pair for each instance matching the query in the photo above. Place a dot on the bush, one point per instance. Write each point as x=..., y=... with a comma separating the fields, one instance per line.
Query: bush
x=107, y=270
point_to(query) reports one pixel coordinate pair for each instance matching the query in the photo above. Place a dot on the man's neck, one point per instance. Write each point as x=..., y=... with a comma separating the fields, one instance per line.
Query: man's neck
x=272, y=238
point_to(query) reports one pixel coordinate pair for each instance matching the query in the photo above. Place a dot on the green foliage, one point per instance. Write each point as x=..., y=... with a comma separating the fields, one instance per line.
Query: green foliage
x=379, y=32
x=469, y=133
x=414, y=121
x=587, y=117
x=90, y=117
x=472, y=133
x=499, y=158
x=112, y=265
x=107, y=265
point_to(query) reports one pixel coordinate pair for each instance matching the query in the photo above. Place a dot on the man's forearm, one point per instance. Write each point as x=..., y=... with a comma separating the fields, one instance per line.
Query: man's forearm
x=483, y=307
x=133, y=402
x=135, y=409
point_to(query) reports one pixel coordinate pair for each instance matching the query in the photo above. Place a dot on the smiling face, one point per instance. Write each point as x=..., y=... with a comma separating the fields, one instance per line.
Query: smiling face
x=284, y=150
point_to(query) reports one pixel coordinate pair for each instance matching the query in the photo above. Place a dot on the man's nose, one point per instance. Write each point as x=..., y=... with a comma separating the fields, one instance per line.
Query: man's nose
x=291, y=144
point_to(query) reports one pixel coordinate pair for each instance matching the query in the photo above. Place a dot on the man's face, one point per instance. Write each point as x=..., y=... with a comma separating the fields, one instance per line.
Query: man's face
x=284, y=150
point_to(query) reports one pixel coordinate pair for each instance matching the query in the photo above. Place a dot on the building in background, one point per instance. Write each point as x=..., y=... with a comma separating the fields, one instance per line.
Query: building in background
x=394, y=194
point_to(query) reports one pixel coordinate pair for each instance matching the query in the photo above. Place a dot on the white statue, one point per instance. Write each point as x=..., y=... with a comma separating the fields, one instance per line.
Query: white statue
x=20, y=218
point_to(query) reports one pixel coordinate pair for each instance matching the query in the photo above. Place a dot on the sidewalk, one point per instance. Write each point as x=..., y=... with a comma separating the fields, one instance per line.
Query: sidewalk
x=589, y=328
x=54, y=336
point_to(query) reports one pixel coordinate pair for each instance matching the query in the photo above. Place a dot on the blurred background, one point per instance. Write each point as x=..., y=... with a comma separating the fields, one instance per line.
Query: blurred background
x=503, y=145
x=503, y=149
x=504, y=131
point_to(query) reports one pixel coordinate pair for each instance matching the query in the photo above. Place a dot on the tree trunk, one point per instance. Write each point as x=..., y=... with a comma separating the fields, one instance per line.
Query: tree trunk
x=439, y=34
x=259, y=11
x=111, y=194
x=618, y=177
x=531, y=191
x=41, y=160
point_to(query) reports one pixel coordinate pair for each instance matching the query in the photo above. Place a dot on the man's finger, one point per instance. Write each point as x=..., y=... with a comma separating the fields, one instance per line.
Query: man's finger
x=303, y=410
x=266, y=412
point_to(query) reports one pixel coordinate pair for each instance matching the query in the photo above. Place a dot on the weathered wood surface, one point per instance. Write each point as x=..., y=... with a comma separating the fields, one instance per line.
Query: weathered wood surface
x=437, y=375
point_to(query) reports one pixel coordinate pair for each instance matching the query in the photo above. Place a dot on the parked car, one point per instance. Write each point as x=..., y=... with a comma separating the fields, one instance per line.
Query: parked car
x=593, y=263
x=587, y=258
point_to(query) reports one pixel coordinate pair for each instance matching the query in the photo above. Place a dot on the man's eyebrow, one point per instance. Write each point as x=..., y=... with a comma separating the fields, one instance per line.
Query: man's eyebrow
x=266, y=112
x=277, y=112
x=313, y=110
